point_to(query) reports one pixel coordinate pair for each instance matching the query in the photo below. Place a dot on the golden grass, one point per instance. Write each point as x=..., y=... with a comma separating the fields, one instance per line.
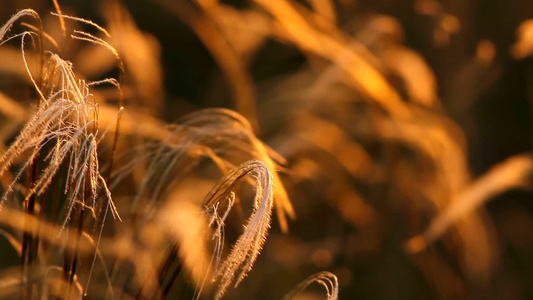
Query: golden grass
x=358, y=130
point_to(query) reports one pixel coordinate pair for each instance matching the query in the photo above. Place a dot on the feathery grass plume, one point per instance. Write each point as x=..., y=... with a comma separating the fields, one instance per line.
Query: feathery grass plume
x=159, y=165
x=61, y=134
x=5, y=29
x=239, y=133
x=326, y=279
x=190, y=230
x=248, y=246
x=221, y=135
x=69, y=121
x=25, y=12
x=217, y=222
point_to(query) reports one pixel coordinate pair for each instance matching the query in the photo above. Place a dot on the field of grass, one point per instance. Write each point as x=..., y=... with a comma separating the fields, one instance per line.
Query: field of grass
x=266, y=149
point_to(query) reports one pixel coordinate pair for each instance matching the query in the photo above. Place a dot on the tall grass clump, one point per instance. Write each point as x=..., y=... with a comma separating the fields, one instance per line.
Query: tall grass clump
x=228, y=149
x=64, y=173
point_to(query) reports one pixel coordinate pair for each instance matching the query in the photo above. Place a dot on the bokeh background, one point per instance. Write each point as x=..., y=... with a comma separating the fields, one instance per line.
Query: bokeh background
x=361, y=187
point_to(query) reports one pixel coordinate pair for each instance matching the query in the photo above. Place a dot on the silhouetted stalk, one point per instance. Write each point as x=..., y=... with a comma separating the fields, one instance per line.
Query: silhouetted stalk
x=168, y=262
x=27, y=239
x=182, y=294
x=71, y=259
x=173, y=277
x=29, y=249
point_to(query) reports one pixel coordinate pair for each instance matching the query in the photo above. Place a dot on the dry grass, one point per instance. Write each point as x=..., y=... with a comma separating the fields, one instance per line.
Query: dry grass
x=102, y=198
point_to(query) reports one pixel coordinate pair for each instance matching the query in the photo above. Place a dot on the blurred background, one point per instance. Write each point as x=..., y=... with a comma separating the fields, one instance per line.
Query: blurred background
x=388, y=113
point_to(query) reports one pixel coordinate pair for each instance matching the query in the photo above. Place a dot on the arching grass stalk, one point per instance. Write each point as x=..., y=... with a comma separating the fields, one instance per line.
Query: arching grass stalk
x=248, y=246
x=326, y=279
